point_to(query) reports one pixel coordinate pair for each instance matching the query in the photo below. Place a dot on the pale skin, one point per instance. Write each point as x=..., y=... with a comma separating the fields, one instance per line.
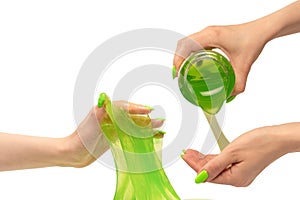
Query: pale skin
x=241, y=43
x=27, y=152
x=243, y=159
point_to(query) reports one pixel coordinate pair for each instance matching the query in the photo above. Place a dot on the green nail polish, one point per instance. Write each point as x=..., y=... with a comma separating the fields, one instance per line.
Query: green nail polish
x=174, y=72
x=160, y=119
x=230, y=99
x=161, y=132
x=182, y=153
x=101, y=100
x=201, y=177
x=149, y=108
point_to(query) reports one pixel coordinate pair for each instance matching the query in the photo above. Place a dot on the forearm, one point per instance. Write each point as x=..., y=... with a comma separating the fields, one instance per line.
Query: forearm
x=283, y=22
x=24, y=152
x=288, y=137
x=78, y=149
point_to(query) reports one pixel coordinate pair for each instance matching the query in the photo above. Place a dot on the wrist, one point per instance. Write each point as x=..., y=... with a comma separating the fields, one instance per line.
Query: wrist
x=64, y=153
x=282, y=22
x=289, y=137
x=265, y=28
x=73, y=153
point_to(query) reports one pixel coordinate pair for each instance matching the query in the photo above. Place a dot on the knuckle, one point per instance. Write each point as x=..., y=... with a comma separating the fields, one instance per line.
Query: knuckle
x=183, y=44
x=215, y=167
x=240, y=88
x=232, y=153
x=213, y=31
x=186, y=46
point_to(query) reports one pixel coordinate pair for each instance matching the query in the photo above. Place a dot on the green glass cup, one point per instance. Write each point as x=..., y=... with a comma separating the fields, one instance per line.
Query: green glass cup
x=206, y=79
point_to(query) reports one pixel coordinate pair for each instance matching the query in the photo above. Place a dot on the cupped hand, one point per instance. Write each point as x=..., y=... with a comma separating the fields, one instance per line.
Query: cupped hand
x=241, y=161
x=242, y=44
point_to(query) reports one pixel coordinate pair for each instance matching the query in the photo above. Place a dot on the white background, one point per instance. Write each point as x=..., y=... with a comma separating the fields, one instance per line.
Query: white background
x=43, y=45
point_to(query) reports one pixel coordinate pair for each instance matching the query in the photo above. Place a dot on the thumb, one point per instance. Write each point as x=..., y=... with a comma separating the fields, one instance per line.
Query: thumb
x=241, y=70
x=214, y=167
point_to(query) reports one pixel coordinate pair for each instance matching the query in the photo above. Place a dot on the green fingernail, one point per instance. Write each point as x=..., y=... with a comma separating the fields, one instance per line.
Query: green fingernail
x=161, y=132
x=101, y=100
x=201, y=177
x=149, y=108
x=182, y=153
x=174, y=72
x=230, y=99
x=160, y=119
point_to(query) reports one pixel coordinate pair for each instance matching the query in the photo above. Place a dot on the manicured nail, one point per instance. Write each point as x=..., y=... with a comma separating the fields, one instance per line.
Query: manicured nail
x=160, y=119
x=182, y=153
x=159, y=134
x=174, y=72
x=230, y=99
x=149, y=108
x=201, y=177
x=101, y=100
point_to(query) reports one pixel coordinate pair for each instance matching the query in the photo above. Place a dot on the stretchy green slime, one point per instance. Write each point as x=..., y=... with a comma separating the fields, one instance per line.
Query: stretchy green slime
x=206, y=79
x=136, y=149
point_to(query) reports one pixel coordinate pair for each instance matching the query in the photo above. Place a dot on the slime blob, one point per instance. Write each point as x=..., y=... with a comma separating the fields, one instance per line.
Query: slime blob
x=206, y=79
x=136, y=149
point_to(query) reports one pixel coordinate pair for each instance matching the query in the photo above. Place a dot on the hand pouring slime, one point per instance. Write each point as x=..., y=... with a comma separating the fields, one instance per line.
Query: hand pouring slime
x=206, y=79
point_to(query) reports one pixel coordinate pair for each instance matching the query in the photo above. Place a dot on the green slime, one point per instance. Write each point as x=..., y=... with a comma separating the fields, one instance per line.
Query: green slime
x=206, y=79
x=137, y=155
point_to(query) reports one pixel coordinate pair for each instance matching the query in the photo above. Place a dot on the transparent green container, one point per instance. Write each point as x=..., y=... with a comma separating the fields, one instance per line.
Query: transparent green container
x=206, y=79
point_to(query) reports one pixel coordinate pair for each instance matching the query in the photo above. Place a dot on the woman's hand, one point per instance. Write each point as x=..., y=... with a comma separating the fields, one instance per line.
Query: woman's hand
x=243, y=159
x=241, y=43
x=88, y=143
x=79, y=149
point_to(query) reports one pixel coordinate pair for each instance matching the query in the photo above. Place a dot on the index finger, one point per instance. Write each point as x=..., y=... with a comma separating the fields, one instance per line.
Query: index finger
x=195, y=159
x=184, y=48
x=133, y=108
x=205, y=39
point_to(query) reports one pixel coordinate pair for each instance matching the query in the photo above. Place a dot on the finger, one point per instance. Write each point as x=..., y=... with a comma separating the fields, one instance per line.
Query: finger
x=194, y=152
x=99, y=113
x=184, y=48
x=240, y=82
x=195, y=159
x=238, y=175
x=159, y=134
x=241, y=67
x=195, y=42
x=225, y=177
x=214, y=167
x=133, y=108
x=199, y=154
x=156, y=123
